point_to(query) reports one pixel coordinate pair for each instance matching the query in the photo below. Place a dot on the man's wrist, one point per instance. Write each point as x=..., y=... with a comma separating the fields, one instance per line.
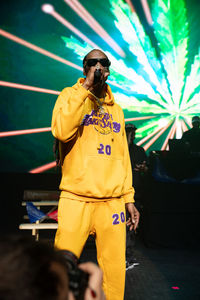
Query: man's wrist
x=128, y=204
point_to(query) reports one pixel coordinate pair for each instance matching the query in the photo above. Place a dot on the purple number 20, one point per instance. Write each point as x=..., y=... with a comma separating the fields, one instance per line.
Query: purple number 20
x=116, y=218
x=107, y=149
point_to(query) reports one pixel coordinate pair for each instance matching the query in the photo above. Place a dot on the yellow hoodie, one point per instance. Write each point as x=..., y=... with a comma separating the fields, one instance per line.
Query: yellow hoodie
x=93, y=146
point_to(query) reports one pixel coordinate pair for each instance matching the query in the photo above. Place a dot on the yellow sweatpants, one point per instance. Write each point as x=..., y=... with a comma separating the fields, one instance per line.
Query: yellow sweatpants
x=78, y=219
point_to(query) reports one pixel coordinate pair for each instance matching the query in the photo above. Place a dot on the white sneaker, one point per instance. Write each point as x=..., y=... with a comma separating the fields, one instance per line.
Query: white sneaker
x=131, y=265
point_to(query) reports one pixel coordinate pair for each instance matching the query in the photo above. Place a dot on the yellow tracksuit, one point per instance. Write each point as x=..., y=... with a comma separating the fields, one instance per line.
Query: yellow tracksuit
x=96, y=180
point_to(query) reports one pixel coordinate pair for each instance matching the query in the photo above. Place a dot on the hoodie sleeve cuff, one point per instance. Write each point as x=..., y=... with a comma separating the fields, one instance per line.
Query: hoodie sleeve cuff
x=129, y=198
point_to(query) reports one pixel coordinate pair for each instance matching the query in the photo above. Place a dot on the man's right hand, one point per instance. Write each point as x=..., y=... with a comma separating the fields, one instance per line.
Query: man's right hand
x=89, y=81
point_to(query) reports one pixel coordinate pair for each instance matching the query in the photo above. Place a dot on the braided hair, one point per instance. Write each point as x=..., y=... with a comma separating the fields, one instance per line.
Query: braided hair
x=56, y=151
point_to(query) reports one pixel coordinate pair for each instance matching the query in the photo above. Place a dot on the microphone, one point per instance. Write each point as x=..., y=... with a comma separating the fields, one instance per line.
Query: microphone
x=97, y=75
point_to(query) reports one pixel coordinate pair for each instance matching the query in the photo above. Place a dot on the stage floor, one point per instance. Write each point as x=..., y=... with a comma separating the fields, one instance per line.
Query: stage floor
x=163, y=274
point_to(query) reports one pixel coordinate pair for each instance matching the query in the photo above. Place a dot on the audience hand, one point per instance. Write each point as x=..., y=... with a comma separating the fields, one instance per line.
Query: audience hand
x=94, y=290
x=141, y=167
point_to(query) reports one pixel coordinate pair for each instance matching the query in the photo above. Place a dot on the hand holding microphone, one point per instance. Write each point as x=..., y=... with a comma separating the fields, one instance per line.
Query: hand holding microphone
x=93, y=77
x=96, y=75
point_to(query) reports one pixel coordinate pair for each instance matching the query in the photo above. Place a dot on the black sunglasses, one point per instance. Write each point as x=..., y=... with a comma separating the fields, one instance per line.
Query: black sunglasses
x=103, y=61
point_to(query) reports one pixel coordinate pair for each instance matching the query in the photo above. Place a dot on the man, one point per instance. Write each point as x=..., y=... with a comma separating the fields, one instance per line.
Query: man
x=96, y=179
x=139, y=169
x=192, y=136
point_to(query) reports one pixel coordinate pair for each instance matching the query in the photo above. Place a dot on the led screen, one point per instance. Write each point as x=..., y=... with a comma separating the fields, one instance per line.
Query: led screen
x=155, y=71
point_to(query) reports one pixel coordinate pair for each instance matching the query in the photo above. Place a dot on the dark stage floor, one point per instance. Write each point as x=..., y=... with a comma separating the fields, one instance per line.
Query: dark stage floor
x=163, y=274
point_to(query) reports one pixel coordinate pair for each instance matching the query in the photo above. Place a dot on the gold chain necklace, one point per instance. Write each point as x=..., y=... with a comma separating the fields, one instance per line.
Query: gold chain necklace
x=100, y=103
